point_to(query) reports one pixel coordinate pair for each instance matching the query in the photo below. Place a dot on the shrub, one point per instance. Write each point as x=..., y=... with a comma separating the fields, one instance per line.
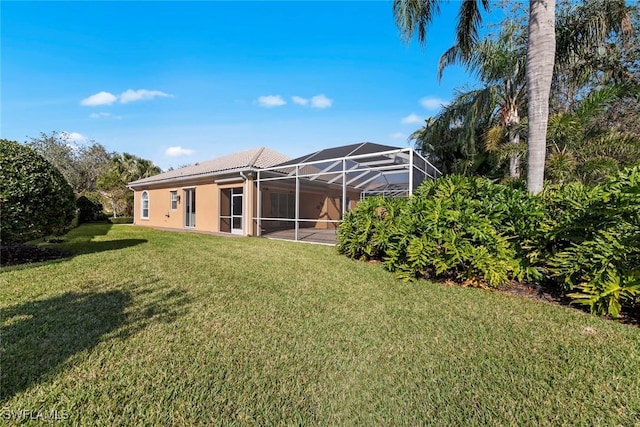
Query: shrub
x=596, y=243
x=35, y=199
x=121, y=220
x=365, y=231
x=455, y=227
x=586, y=240
x=89, y=209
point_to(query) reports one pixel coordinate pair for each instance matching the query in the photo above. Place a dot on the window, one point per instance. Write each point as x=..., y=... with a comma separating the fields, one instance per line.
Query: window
x=145, y=205
x=174, y=200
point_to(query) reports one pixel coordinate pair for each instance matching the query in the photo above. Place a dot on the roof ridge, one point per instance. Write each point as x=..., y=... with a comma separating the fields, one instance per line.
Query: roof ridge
x=256, y=156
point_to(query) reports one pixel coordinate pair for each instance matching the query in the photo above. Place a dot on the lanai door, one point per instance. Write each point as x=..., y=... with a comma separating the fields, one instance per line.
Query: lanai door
x=232, y=210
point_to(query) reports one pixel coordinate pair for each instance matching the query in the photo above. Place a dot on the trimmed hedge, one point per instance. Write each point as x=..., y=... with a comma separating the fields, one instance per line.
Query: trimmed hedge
x=35, y=199
x=121, y=220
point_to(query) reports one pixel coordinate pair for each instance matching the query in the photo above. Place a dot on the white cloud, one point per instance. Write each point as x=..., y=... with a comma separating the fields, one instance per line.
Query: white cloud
x=73, y=138
x=178, y=151
x=271, y=101
x=100, y=98
x=321, y=101
x=99, y=115
x=432, y=103
x=398, y=135
x=300, y=100
x=131, y=95
x=412, y=119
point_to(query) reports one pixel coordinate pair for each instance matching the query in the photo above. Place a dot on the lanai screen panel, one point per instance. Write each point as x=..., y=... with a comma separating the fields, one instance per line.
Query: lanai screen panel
x=326, y=184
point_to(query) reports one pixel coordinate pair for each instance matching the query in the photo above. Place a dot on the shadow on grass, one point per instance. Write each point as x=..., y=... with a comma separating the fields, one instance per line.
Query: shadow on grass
x=82, y=248
x=78, y=241
x=39, y=337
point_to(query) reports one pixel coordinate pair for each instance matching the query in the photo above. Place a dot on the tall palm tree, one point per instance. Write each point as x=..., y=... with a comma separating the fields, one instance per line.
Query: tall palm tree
x=541, y=49
x=500, y=65
x=413, y=16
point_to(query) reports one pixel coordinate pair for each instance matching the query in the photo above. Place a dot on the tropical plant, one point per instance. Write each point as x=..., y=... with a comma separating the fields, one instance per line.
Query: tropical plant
x=492, y=112
x=580, y=149
x=415, y=15
x=461, y=228
x=597, y=47
x=35, y=199
x=596, y=243
x=112, y=184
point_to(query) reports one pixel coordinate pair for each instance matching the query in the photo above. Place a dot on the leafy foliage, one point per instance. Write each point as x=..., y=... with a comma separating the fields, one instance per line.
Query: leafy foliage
x=121, y=170
x=80, y=163
x=35, y=199
x=89, y=209
x=454, y=227
x=597, y=246
x=585, y=240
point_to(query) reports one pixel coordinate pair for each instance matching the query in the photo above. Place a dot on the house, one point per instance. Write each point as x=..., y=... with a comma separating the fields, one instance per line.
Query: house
x=260, y=192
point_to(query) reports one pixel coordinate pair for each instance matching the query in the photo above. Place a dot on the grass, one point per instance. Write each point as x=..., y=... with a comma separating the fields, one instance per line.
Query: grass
x=145, y=327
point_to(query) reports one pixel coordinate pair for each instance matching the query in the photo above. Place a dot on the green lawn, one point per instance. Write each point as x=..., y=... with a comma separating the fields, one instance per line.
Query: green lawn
x=146, y=327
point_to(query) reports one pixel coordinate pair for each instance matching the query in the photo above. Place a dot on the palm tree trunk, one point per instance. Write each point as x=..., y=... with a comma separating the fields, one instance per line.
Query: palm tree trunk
x=541, y=47
x=514, y=158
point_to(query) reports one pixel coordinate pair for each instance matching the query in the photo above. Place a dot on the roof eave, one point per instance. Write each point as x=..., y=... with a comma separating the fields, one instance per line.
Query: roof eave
x=192, y=177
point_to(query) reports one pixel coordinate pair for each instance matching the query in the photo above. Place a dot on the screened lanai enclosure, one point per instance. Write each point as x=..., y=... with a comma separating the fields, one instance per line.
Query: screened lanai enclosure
x=304, y=199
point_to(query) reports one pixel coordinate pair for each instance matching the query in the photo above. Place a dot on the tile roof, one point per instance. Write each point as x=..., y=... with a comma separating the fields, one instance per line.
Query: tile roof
x=255, y=158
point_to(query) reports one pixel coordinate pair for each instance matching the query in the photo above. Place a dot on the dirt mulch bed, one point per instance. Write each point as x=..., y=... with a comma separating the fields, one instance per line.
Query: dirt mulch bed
x=26, y=254
x=556, y=296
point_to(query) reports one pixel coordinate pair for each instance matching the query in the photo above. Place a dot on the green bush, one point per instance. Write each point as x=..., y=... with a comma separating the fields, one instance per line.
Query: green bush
x=454, y=227
x=365, y=231
x=585, y=240
x=35, y=199
x=89, y=209
x=596, y=242
x=121, y=220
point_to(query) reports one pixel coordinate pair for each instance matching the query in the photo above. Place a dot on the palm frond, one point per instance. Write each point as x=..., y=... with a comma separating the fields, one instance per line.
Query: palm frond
x=494, y=138
x=414, y=16
x=468, y=21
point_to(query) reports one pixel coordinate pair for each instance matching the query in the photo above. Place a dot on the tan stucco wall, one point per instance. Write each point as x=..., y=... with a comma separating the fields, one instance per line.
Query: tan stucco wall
x=160, y=213
x=207, y=206
x=314, y=204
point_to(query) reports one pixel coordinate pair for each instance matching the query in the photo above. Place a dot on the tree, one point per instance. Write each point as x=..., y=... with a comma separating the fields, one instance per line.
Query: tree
x=541, y=48
x=80, y=164
x=35, y=199
x=450, y=139
x=121, y=170
x=585, y=30
x=581, y=149
x=492, y=111
x=415, y=15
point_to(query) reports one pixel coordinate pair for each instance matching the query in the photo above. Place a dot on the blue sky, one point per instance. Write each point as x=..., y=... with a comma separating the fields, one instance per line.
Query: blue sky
x=183, y=82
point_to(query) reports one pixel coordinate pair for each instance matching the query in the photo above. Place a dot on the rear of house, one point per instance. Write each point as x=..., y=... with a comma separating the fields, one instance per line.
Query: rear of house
x=260, y=192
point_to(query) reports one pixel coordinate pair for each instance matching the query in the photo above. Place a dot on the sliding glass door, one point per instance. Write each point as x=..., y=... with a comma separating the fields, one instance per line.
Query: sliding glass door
x=190, y=207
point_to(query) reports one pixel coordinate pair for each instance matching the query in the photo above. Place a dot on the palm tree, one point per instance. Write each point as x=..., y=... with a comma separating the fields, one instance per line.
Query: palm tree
x=581, y=148
x=415, y=15
x=592, y=27
x=123, y=169
x=500, y=65
x=541, y=48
